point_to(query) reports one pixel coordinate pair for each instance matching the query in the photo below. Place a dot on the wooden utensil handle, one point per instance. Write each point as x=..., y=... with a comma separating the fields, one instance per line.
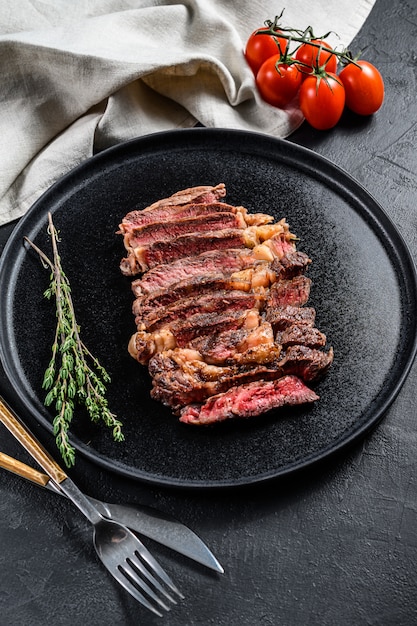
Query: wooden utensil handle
x=21, y=469
x=32, y=445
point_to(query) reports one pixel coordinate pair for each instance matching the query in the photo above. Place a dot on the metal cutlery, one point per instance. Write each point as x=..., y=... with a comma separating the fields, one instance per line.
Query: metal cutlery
x=144, y=520
x=121, y=552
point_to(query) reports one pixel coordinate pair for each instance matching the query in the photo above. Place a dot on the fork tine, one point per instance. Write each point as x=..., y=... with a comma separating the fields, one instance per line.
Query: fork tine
x=130, y=573
x=132, y=589
x=144, y=553
x=137, y=565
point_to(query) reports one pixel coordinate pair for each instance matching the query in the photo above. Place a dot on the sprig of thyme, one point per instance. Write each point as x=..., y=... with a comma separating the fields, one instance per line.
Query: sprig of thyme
x=73, y=375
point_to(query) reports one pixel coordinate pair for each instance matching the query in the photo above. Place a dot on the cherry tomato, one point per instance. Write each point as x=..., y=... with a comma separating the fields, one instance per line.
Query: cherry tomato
x=278, y=84
x=322, y=99
x=311, y=56
x=260, y=47
x=364, y=87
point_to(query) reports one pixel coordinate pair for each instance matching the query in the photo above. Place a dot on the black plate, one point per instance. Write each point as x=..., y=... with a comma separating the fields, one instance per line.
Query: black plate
x=364, y=290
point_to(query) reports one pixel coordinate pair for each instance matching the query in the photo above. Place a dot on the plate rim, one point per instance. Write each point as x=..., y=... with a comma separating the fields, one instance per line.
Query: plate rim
x=385, y=223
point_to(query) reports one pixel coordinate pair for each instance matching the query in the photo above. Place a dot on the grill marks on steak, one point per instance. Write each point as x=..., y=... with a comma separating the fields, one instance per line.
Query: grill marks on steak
x=220, y=309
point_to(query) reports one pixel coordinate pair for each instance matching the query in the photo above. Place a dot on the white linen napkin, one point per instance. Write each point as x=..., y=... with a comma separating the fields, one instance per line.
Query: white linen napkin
x=80, y=76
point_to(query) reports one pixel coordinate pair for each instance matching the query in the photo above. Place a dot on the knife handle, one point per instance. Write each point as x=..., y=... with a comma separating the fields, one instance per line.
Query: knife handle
x=30, y=443
x=21, y=469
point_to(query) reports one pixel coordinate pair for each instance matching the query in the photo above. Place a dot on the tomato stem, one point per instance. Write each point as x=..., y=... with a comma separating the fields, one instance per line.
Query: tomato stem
x=303, y=37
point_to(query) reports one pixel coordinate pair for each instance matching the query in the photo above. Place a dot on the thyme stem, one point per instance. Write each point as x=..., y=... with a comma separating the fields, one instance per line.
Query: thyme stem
x=73, y=375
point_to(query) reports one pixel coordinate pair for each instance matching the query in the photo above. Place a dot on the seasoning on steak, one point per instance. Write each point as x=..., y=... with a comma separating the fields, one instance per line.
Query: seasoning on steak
x=219, y=307
x=185, y=330
x=249, y=400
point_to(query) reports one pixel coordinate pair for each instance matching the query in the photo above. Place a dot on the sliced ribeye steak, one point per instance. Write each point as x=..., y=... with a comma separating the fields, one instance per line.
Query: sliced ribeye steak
x=220, y=307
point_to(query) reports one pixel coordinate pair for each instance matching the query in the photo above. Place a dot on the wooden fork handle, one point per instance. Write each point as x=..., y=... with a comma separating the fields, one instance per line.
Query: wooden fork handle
x=21, y=469
x=30, y=443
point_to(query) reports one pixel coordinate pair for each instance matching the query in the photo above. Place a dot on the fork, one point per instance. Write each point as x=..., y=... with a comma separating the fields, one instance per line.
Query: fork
x=121, y=552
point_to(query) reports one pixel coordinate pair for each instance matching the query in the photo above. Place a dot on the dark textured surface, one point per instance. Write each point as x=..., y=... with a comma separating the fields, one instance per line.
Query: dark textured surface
x=336, y=545
x=338, y=224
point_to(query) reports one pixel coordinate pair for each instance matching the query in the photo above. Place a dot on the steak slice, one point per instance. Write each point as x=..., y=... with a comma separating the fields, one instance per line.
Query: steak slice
x=202, y=193
x=138, y=220
x=305, y=362
x=291, y=264
x=249, y=400
x=169, y=230
x=213, y=302
x=254, y=345
x=301, y=334
x=194, y=195
x=293, y=292
x=200, y=324
x=282, y=317
x=164, y=277
x=180, y=379
x=147, y=257
x=180, y=334
x=245, y=280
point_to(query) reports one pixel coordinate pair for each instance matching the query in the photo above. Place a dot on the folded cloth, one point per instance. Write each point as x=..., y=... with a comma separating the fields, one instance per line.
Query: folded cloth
x=80, y=76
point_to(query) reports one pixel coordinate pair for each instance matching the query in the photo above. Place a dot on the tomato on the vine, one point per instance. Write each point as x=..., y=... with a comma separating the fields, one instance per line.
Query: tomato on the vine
x=315, y=57
x=278, y=83
x=364, y=87
x=322, y=99
x=260, y=47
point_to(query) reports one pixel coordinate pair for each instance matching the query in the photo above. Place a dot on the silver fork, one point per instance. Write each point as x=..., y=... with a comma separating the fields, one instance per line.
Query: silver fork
x=122, y=553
